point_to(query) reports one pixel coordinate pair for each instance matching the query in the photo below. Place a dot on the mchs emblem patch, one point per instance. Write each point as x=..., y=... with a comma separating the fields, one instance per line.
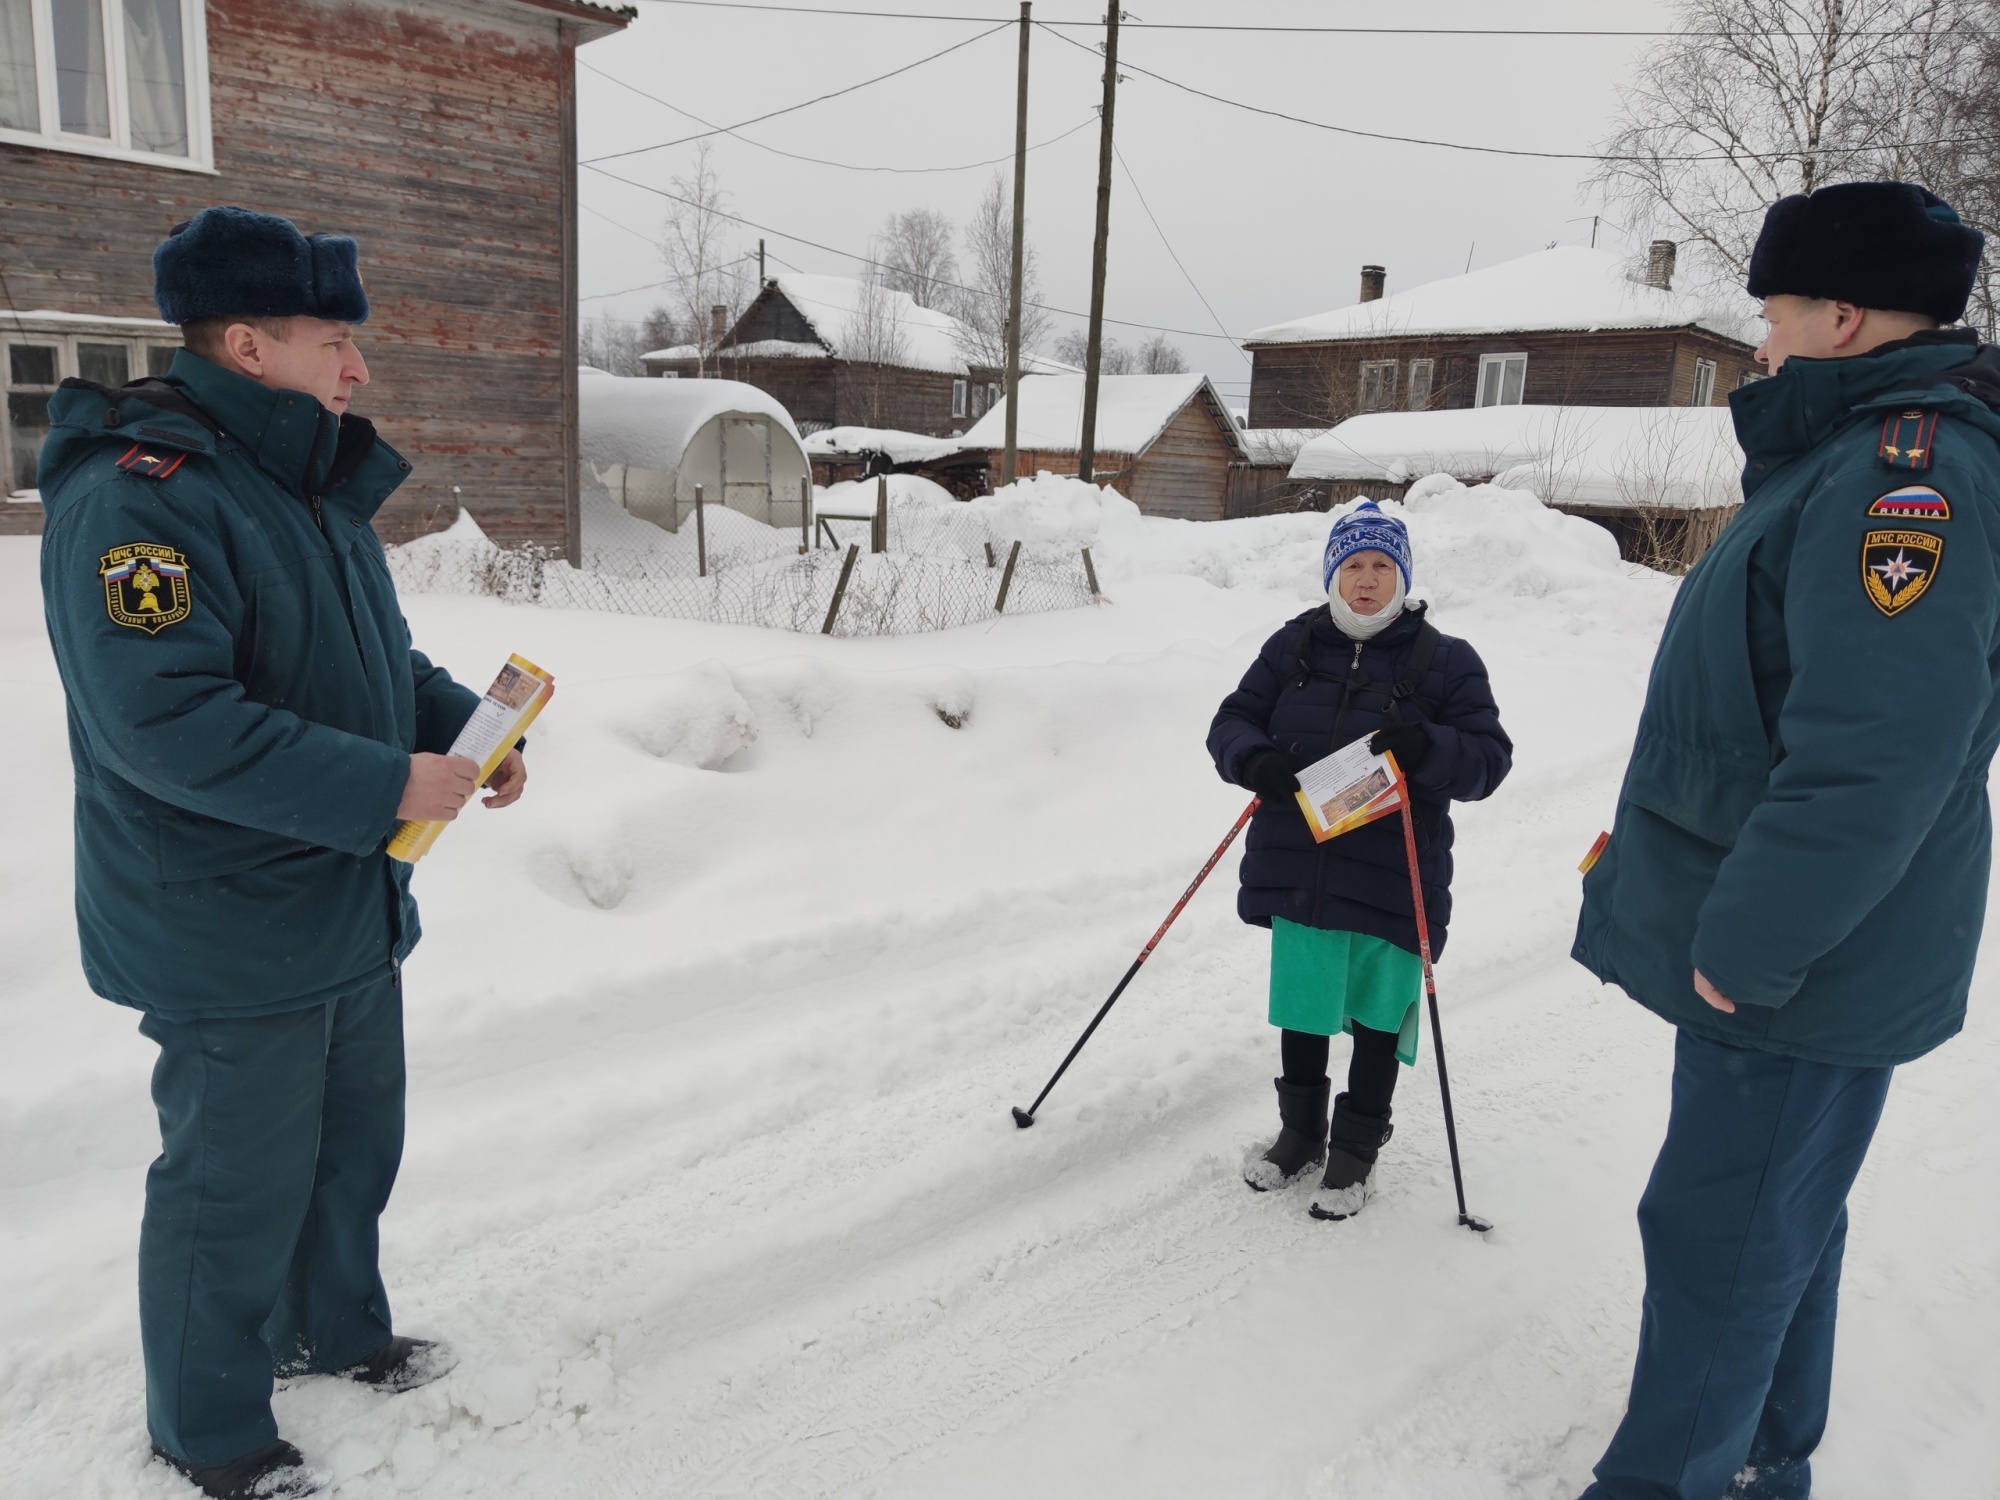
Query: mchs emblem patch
x=1898, y=566
x=146, y=586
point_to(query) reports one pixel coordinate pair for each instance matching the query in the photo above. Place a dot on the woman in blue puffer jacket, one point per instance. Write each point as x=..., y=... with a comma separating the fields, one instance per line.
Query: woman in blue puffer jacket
x=1344, y=954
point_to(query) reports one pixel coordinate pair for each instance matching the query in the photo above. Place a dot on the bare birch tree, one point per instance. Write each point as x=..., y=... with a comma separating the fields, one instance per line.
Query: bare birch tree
x=916, y=248
x=1113, y=358
x=988, y=268
x=1159, y=356
x=1755, y=99
x=699, y=248
x=876, y=346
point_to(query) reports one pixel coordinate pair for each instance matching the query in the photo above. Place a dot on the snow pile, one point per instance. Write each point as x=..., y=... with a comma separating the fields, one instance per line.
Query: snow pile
x=1670, y=457
x=1132, y=410
x=1566, y=287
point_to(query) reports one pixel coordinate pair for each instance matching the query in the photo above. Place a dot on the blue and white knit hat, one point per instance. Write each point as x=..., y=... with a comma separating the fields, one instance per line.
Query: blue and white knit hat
x=1366, y=529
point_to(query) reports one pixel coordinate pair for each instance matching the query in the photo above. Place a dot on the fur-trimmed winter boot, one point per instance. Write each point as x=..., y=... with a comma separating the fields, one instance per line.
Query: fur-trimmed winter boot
x=1301, y=1142
x=1354, y=1143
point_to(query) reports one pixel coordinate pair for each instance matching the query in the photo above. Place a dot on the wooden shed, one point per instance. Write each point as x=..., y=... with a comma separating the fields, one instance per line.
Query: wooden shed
x=1165, y=442
x=839, y=352
x=439, y=133
x=1561, y=327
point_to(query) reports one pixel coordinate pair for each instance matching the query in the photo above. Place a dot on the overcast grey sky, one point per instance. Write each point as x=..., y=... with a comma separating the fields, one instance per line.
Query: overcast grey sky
x=1272, y=220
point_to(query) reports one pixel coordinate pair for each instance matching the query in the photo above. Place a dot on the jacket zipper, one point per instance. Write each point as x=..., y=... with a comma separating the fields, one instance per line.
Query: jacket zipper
x=1319, y=861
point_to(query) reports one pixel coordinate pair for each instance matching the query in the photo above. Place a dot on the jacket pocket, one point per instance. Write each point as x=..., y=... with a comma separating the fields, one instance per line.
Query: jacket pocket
x=190, y=847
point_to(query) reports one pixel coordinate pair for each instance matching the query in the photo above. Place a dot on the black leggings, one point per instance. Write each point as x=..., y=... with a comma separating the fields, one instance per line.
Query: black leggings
x=1371, y=1072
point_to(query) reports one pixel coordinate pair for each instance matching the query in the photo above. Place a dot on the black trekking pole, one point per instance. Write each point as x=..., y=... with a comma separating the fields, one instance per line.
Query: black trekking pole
x=1470, y=1221
x=1026, y=1117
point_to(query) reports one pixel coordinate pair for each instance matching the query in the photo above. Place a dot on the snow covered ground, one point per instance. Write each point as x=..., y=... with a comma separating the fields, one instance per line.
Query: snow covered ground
x=710, y=1171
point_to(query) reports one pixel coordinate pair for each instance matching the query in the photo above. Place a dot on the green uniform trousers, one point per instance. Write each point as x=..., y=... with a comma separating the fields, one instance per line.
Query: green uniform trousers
x=280, y=1138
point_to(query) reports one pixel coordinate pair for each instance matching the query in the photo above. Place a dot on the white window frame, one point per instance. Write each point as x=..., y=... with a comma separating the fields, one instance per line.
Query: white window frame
x=1500, y=362
x=51, y=137
x=1426, y=385
x=1383, y=371
x=64, y=335
x=1704, y=383
x=959, y=388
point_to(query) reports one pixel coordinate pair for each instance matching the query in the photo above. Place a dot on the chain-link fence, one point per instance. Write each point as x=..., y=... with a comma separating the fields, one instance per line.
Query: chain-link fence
x=905, y=569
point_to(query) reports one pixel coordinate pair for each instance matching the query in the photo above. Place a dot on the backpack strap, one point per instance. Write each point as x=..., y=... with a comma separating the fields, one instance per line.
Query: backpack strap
x=1416, y=667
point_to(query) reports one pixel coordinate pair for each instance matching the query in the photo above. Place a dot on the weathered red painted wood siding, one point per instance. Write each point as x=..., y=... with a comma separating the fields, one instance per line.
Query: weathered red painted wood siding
x=431, y=131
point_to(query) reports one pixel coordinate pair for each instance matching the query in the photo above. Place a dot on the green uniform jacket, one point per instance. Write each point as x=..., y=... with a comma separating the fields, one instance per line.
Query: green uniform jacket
x=1804, y=818
x=243, y=694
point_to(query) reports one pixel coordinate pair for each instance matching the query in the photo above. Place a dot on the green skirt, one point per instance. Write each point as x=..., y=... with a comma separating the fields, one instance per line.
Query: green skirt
x=1325, y=982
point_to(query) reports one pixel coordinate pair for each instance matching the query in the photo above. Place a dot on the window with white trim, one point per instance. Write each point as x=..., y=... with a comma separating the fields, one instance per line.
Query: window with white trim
x=1704, y=383
x=958, y=391
x=1502, y=378
x=1422, y=372
x=1378, y=385
x=34, y=359
x=992, y=393
x=123, y=78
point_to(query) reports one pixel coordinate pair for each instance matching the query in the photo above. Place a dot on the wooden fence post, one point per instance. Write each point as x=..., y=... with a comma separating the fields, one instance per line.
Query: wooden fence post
x=805, y=514
x=840, y=588
x=1090, y=573
x=1007, y=579
x=700, y=535
x=878, y=533
x=989, y=556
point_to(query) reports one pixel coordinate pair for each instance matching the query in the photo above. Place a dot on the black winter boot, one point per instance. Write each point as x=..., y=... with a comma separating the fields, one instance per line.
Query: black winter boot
x=1301, y=1142
x=277, y=1472
x=402, y=1365
x=1355, y=1140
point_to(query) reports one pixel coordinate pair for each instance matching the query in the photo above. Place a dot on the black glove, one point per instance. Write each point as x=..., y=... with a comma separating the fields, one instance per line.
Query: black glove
x=1268, y=773
x=1409, y=743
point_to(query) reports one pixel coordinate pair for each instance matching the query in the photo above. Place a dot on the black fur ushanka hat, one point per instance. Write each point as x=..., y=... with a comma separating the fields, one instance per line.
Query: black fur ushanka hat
x=232, y=262
x=1888, y=245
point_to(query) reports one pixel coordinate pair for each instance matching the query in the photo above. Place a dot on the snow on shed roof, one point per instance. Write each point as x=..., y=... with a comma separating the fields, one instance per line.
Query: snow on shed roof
x=1567, y=288
x=1132, y=410
x=648, y=423
x=899, y=447
x=1679, y=457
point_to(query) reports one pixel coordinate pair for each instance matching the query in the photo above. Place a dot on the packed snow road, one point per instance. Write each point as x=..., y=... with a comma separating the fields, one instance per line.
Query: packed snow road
x=711, y=1175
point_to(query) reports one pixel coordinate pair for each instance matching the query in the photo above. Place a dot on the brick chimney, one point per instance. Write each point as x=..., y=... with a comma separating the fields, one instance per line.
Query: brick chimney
x=1660, y=265
x=1372, y=279
x=718, y=322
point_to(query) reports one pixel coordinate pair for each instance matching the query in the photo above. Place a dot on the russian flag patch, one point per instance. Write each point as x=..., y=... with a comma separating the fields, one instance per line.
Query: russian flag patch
x=1913, y=502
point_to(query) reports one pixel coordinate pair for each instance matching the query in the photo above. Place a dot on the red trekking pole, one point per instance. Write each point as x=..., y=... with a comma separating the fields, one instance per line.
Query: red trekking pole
x=1470, y=1221
x=1026, y=1117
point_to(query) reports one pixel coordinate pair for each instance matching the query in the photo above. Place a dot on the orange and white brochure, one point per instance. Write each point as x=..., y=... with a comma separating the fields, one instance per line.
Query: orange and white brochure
x=1350, y=787
x=502, y=717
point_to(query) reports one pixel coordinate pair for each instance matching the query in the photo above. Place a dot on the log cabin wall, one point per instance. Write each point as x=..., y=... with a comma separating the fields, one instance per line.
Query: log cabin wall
x=437, y=133
x=1317, y=385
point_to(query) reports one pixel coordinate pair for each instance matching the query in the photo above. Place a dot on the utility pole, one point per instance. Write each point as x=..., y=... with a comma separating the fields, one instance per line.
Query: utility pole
x=760, y=265
x=1008, y=455
x=1086, y=458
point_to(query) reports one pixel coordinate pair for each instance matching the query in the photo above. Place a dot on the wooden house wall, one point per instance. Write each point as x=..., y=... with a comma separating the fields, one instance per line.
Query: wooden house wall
x=1316, y=385
x=437, y=134
x=1185, y=473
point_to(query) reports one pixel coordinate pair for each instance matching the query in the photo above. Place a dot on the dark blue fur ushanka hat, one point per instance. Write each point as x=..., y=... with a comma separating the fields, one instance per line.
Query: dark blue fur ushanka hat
x=231, y=262
x=1887, y=245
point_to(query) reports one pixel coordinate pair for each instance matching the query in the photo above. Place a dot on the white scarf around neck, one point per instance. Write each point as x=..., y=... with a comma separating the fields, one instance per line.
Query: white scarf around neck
x=1364, y=627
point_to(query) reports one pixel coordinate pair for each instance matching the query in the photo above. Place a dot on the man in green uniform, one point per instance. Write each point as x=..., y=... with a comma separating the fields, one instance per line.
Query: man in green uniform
x=248, y=723
x=1797, y=875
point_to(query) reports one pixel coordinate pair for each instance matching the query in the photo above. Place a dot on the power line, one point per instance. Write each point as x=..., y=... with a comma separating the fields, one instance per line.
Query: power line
x=1411, y=140
x=1474, y=31
x=865, y=260
x=820, y=161
x=669, y=281
x=805, y=103
x=1170, y=249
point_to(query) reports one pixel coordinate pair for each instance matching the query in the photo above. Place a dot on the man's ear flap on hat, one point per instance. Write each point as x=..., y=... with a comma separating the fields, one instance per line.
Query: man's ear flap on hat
x=1777, y=246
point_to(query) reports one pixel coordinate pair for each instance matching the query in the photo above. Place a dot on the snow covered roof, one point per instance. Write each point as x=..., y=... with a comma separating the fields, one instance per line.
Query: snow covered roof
x=648, y=423
x=1682, y=457
x=834, y=306
x=898, y=447
x=1132, y=410
x=1566, y=288
x=675, y=352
